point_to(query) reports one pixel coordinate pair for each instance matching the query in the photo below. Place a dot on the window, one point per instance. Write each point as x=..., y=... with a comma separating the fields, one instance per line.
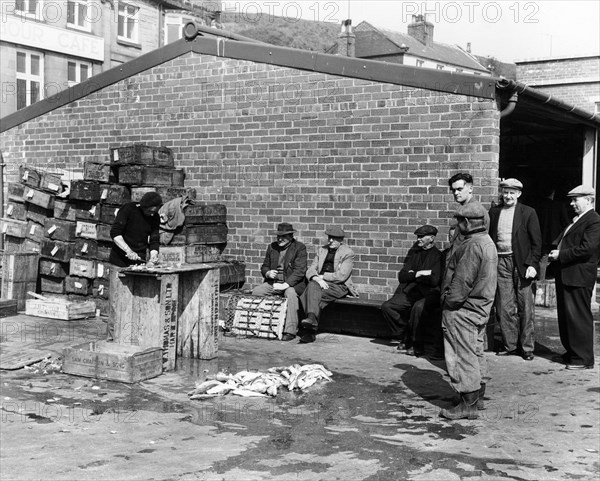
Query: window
x=78, y=72
x=439, y=66
x=30, y=76
x=174, y=27
x=420, y=63
x=27, y=7
x=128, y=22
x=77, y=15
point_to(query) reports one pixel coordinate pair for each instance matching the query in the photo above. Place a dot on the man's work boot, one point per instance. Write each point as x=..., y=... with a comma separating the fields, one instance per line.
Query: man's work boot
x=480, y=403
x=466, y=409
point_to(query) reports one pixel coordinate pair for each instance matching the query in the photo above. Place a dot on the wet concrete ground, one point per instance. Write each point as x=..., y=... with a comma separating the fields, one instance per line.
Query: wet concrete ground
x=377, y=420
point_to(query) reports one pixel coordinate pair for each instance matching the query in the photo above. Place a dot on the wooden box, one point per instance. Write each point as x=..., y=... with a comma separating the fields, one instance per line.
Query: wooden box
x=171, y=254
x=16, y=210
x=112, y=361
x=100, y=288
x=82, y=267
x=142, y=175
x=20, y=267
x=103, y=253
x=58, y=250
x=138, y=192
x=58, y=229
x=86, y=230
x=142, y=154
x=103, y=270
x=51, y=284
x=260, y=316
x=102, y=306
x=12, y=245
x=206, y=234
x=77, y=285
x=86, y=248
x=103, y=233
x=116, y=194
x=8, y=307
x=35, y=231
x=51, y=183
x=48, y=267
x=88, y=211
x=206, y=214
x=108, y=213
x=98, y=171
x=64, y=209
x=87, y=190
x=31, y=246
x=196, y=253
x=232, y=274
x=39, y=198
x=59, y=309
x=170, y=193
x=18, y=291
x=16, y=191
x=29, y=177
x=38, y=214
x=12, y=227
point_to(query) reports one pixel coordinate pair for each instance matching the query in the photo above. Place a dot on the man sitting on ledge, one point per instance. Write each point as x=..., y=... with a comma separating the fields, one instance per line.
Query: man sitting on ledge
x=418, y=295
x=284, y=268
x=329, y=279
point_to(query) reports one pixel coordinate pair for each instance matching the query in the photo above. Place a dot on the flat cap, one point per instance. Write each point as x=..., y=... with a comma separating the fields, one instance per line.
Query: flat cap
x=472, y=210
x=511, y=184
x=335, y=231
x=426, y=230
x=582, y=190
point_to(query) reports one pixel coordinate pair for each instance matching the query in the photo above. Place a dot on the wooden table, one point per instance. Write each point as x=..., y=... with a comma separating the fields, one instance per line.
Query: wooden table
x=175, y=308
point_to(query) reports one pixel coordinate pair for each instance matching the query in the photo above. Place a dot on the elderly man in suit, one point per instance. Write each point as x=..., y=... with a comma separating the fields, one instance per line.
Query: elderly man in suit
x=283, y=269
x=329, y=279
x=576, y=259
x=515, y=230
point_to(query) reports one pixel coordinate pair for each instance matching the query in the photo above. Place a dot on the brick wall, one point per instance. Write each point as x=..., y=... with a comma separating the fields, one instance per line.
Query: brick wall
x=574, y=81
x=277, y=144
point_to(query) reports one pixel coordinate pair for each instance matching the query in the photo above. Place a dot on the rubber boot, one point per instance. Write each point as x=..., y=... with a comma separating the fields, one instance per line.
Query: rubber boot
x=480, y=402
x=466, y=409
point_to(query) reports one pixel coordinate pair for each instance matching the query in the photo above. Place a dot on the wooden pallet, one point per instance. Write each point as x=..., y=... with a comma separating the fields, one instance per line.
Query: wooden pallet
x=260, y=316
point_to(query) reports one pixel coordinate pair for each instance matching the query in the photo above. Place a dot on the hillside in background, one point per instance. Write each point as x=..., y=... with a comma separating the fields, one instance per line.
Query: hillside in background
x=284, y=32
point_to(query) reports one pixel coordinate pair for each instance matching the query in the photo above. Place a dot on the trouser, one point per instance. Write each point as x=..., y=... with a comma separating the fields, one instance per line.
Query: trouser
x=396, y=312
x=575, y=321
x=113, y=275
x=515, y=307
x=425, y=319
x=314, y=298
x=463, y=349
x=291, y=315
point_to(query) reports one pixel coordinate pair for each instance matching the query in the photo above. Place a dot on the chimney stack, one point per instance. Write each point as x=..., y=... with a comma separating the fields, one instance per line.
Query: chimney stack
x=346, y=40
x=421, y=30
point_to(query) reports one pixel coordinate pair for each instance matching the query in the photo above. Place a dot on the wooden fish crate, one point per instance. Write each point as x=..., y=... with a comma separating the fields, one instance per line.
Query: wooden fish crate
x=8, y=307
x=51, y=183
x=19, y=275
x=206, y=214
x=38, y=214
x=260, y=316
x=82, y=267
x=170, y=193
x=14, y=228
x=191, y=254
x=13, y=245
x=138, y=192
x=100, y=288
x=16, y=210
x=60, y=309
x=40, y=198
x=88, y=190
x=35, y=231
x=58, y=250
x=206, y=234
x=98, y=171
x=116, y=194
x=16, y=191
x=86, y=230
x=142, y=154
x=31, y=246
x=58, y=229
x=29, y=176
x=48, y=267
x=103, y=253
x=77, y=285
x=103, y=270
x=108, y=213
x=86, y=248
x=103, y=233
x=142, y=175
x=112, y=361
x=52, y=285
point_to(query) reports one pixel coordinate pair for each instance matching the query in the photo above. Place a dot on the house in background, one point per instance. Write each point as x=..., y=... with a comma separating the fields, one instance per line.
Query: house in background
x=415, y=48
x=46, y=47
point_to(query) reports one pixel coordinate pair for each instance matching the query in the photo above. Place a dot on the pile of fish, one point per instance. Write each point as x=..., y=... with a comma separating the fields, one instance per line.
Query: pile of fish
x=261, y=384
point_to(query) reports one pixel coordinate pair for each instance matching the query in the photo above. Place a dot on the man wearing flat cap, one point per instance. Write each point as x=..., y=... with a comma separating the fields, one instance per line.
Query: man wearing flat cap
x=576, y=258
x=468, y=289
x=328, y=279
x=135, y=230
x=283, y=269
x=419, y=281
x=515, y=229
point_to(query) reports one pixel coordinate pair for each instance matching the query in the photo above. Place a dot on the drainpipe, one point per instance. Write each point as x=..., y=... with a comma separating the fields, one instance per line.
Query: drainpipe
x=503, y=84
x=1, y=197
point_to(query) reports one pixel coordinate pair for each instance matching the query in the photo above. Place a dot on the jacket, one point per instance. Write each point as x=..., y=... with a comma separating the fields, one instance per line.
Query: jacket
x=579, y=251
x=526, y=237
x=343, y=262
x=417, y=260
x=470, y=276
x=294, y=264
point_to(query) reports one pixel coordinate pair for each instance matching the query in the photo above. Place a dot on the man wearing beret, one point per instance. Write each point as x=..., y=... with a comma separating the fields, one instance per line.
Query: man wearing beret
x=136, y=229
x=468, y=289
x=419, y=280
x=576, y=259
x=329, y=279
x=283, y=269
x=515, y=230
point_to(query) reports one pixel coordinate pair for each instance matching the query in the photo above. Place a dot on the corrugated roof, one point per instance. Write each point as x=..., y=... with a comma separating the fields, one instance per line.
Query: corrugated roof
x=391, y=42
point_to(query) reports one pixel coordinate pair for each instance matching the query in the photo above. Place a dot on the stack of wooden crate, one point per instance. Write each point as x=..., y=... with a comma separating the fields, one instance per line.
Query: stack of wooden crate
x=73, y=235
